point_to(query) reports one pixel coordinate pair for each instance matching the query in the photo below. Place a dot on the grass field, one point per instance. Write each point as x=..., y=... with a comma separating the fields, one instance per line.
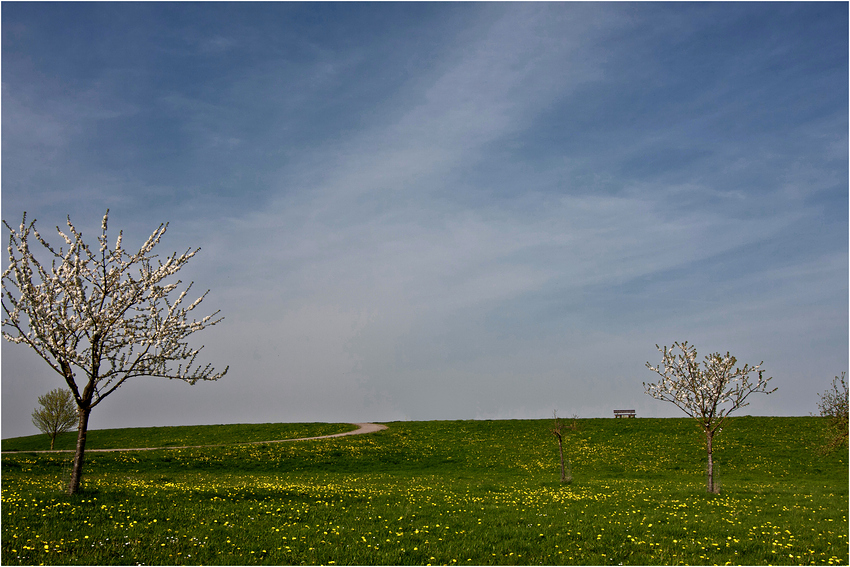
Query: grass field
x=178, y=436
x=463, y=492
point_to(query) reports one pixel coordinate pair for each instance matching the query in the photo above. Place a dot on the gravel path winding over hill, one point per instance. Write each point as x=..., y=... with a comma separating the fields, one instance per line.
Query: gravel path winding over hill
x=361, y=429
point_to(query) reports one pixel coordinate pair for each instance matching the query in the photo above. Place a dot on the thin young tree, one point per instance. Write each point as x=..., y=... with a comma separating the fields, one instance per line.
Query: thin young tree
x=100, y=317
x=708, y=394
x=559, y=429
x=833, y=405
x=57, y=414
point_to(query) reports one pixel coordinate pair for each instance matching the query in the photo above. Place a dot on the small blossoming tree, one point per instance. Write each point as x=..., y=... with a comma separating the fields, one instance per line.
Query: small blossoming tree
x=708, y=394
x=100, y=317
x=833, y=405
x=57, y=414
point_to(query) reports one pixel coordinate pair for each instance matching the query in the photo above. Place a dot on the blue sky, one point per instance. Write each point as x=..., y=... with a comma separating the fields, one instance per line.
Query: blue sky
x=447, y=210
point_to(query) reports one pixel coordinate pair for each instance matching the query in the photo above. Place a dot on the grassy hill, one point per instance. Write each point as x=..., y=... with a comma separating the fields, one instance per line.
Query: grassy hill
x=442, y=492
x=177, y=436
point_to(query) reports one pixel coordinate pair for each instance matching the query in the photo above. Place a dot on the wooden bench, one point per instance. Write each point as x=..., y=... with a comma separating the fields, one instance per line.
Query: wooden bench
x=624, y=413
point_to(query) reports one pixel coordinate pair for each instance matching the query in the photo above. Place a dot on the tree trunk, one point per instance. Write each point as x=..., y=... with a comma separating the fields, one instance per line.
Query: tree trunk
x=79, y=455
x=52, y=441
x=709, y=438
x=561, y=451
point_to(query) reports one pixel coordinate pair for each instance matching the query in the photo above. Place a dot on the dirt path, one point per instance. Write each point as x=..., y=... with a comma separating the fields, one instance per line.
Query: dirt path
x=361, y=429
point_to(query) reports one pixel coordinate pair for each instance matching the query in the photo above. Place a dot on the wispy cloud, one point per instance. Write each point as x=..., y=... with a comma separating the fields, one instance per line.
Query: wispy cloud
x=478, y=210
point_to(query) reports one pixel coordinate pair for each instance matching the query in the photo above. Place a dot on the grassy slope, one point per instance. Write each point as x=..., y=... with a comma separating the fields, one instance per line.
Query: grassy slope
x=177, y=436
x=480, y=492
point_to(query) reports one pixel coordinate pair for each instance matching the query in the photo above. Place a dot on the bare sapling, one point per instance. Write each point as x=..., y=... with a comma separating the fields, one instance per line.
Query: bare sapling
x=558, y=430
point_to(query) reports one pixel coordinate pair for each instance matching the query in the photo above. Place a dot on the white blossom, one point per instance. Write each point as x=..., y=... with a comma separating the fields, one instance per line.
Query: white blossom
x=708, y=394
x=99, y=319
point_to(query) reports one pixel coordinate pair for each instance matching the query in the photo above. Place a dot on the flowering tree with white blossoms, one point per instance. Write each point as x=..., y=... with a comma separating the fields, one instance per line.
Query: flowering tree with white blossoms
x=707, y=394
x=100, y=317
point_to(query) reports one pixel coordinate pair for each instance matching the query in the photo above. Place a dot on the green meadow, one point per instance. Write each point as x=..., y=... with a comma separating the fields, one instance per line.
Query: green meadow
x=439, y=492
x=179, y=436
